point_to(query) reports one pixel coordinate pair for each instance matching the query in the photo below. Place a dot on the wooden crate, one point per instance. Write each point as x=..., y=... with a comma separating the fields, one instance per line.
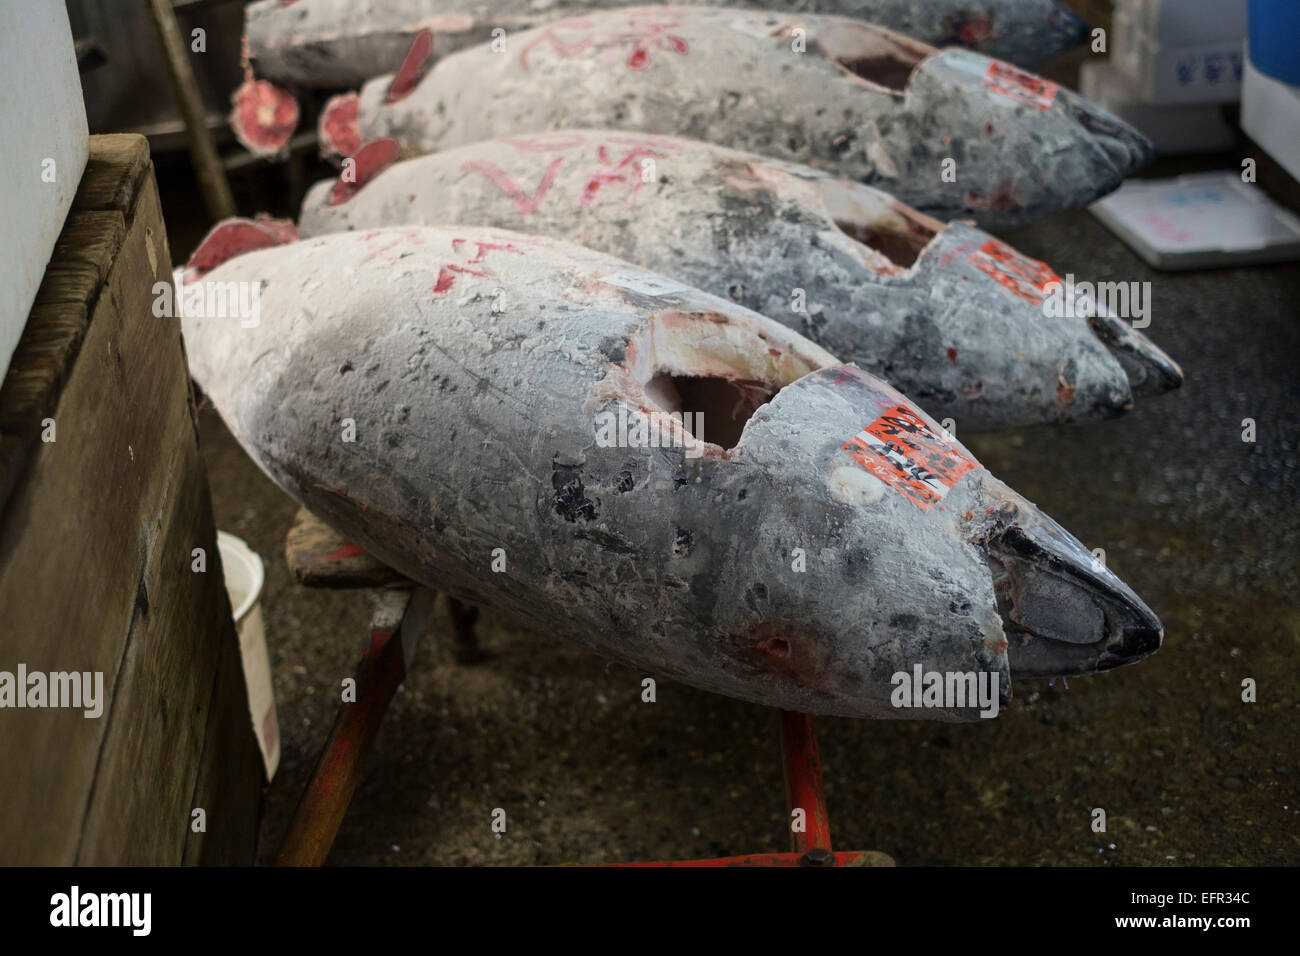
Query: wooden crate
x=97, y=535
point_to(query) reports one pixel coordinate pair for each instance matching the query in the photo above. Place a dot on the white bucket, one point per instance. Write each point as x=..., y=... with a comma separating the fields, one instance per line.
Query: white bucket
x=244, y=577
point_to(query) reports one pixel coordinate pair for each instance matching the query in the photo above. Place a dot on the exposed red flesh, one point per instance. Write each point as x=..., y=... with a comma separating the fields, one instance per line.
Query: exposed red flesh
x=340, y=125
x=234, y=237
x=413, y=67
x=286, y=230
x=263, y=117
x=368, y=162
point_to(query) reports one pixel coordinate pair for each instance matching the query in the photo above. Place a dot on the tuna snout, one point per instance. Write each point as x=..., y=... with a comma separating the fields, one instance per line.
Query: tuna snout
x=1150, y=369
x=1063, y=612
x=1065, y=30
x=1124, y=147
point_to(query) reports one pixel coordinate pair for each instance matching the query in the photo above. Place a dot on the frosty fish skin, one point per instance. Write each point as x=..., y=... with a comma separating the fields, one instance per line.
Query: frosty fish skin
x=860, y=102
x=332, y=43
x=476, y=365
x=949, y=315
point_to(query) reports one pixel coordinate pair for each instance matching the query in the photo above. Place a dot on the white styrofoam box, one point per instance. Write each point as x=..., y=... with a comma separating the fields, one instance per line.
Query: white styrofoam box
x=1175, y=23
x=43, y=128
x=1200, y=220
x=1166, y=75
x=1270, y=115
x=1174, y=130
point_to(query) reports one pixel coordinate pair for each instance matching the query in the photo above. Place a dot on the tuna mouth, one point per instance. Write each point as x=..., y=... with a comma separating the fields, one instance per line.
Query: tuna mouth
x=875, y=56
x=1149, y=368
x=1062, y=612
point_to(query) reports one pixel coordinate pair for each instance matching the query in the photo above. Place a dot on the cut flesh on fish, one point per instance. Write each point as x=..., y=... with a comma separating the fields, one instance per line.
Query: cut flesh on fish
x=949, y=132
x=452, y=396
x=263, y=117
x=951, y=316
x=232, y=237
x=337, y=129
x=329, y=44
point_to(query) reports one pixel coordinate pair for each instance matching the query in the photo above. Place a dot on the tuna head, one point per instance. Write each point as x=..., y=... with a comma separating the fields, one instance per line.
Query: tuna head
x=998, y=115
x=916, y=558
x=1050, y=28
x=958, y=319
x=1080, y=365
x=1025, y=32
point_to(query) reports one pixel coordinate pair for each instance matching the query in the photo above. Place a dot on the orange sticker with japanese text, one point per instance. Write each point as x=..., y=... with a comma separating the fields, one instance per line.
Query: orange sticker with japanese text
x=1026, y=277
x=909, y=456
x=1020, y=85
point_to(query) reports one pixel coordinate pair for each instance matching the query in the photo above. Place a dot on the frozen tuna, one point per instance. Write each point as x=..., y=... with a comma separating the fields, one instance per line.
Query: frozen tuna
x=950, y=132
x=330, y=44
x=655, y=472
x=948, y=314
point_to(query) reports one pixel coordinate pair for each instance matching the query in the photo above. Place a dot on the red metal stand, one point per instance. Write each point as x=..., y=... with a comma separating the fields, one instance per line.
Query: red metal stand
x=317, y=558
x=811, y=842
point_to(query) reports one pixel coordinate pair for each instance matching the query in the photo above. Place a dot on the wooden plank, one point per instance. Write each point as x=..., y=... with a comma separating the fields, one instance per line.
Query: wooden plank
x=58, y=321
x=51, y=338
x=321, y=557
x=230, y=779
x=41, y=365
x=83, y=255
x=118, y=163
x=95, y=576
x=161, y=698
x=77, y=548
x=92, y=237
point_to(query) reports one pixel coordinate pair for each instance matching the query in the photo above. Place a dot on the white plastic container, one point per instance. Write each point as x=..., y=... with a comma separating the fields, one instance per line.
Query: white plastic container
x=1167, y=67
x=1199, y=221
x=1270, y=115
x=43, y=128
x=1173, y=130
x=1180, y=23
x=244, y=576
